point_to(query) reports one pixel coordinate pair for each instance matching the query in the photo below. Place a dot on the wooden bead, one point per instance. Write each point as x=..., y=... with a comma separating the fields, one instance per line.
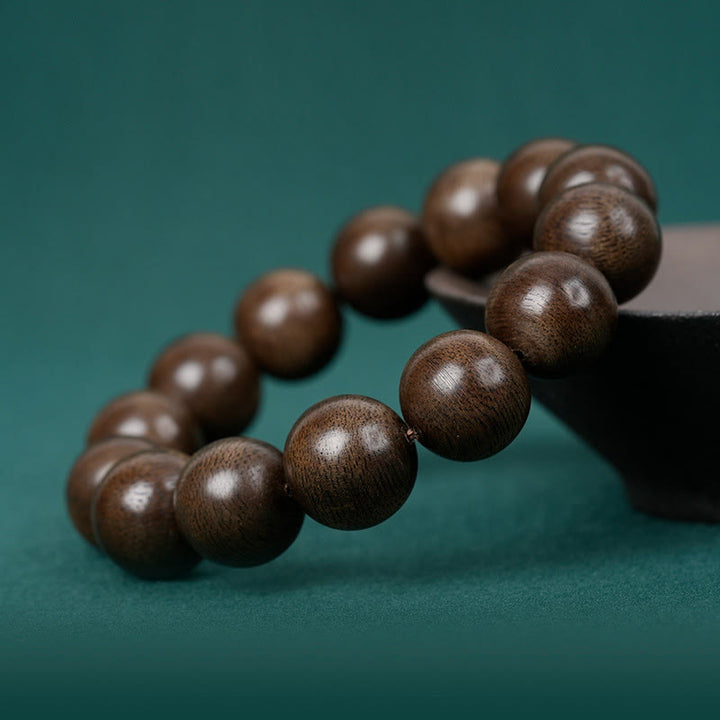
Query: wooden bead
x=231, y=504
x=147, y=414
x=289, y=322
x=379, y=261
x=88, y=471
x=519, y=182
x=133, y=517
x=598, y=163
x=214, y=377
x=349, y=462
x=462, y=220
x=465, y=395
x=556, y=311
x=609, y=227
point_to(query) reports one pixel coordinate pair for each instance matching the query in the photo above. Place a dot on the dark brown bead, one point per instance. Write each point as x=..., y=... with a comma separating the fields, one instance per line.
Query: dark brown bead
x=216, y=379
x=609, y=227
x=462, y=221
x=89, y=471
x=349, y=462
x=598, y=163
x=133, y=517
x=379, y=261
x=519, y=183
x=147, y=414
x=465, y=395
x=231, y=503
x=556, y=311
x=289, y=322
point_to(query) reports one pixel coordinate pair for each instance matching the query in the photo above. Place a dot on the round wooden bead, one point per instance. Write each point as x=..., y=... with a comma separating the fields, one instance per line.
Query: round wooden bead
x=462, y=221
x=379, y=261
x=349, y=462
x=289, y=322
x=465, y=394
x=556, y=311
x=147, y=414
x=231, y=503
x=519, y=182
x=133, y=517
x=88, y=471
x=611, y=228
x=598, y=163
x=214, y=377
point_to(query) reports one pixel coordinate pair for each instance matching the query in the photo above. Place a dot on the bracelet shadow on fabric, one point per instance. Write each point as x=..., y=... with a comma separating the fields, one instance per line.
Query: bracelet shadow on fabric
x=651, y=406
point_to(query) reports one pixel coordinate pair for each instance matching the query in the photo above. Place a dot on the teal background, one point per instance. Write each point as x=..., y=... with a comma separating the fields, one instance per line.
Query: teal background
x=154, y=158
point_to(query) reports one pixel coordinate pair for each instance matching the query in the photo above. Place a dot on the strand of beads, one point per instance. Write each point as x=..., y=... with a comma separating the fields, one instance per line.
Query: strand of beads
x=155, y=501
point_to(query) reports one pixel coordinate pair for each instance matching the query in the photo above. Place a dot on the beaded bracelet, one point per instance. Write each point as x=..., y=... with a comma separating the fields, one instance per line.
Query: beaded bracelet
x=578, y=224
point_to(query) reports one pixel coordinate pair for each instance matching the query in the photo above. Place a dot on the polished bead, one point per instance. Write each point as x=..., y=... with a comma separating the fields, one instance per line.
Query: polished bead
x=289, y=322
x=89, y=470
x=556, y=311
x=519, y=182
x=462, y=221
x=133, y=517
x=231, y=503
x=379, y=261
x=611, y=228
x=147, y=414
x=214, y=377
x=598, y=163
x=350, y=462
x=465, y=394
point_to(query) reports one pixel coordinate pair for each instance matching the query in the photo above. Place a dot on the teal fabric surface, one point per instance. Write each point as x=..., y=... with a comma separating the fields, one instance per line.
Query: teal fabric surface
x=154, y=158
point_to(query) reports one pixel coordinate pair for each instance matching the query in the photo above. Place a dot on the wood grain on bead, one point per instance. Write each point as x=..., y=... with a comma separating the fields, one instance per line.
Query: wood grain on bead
x=349, y=462
x=465, y=394
x=379, y=260
x=231, y=503
x=133, y=517
x=289, y=322
x=609, y=227
x=149, y=415
x=598, y=163
x=462, y=220
x=88, y=471
x=519, y=182
x=556, y=311
x=214, y=377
